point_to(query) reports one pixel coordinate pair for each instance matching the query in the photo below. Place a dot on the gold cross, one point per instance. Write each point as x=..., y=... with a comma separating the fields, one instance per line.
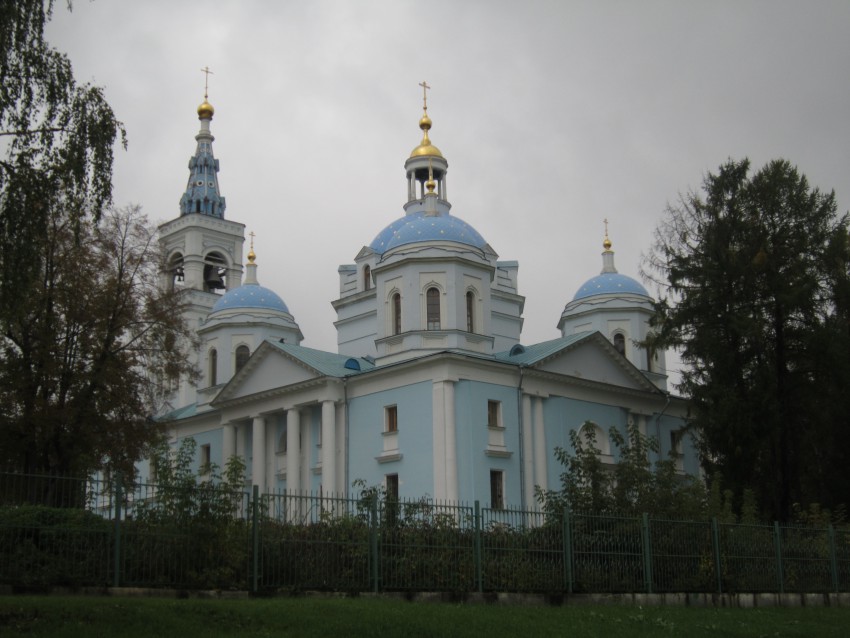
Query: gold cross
x=252, y=239
x=425, y=88
x=206, y=70
x=606, y=226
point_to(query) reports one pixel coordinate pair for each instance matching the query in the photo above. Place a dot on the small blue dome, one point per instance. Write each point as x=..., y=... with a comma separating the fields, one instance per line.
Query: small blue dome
x=420, y=226
x=610, y=283
x=250, y=296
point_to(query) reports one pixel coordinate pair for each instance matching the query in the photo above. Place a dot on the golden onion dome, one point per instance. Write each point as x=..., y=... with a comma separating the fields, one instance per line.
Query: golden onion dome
x=606, y=244
x=425, y=148
x=205, y=111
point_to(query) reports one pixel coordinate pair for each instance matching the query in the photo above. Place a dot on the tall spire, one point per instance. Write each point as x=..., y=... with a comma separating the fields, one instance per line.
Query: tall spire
x=426, y=171
x=425, y=147
x=607, y=253
x=202, y=194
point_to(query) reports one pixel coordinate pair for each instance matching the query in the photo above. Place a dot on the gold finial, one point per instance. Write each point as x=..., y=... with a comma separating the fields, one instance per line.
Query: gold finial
x=425, y=147
x=606, y=243
x=251, y=255
x=206, y=110
x=430, y=184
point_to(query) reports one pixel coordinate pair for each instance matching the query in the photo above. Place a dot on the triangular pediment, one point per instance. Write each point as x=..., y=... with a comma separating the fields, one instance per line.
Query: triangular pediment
x=364, y=253
x=593, y=358
x=268, y=369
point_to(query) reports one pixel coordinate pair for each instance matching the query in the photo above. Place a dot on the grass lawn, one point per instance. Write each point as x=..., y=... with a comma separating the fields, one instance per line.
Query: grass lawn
x=77, y=617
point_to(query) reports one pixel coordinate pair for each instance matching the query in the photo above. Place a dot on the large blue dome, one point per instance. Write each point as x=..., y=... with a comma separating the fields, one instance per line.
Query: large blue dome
x=610, y=283
x=250, y=296
x=420, y=226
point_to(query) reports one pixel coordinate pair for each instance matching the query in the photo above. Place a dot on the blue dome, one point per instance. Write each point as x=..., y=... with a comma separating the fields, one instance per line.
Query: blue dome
x=250, y=296
x=610, y=283
x=419, y=226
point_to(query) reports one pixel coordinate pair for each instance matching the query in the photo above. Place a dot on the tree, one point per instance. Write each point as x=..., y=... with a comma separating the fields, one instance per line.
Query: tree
x=632, y=486
x=58, y=141
x=753, y=274
x=95, y=338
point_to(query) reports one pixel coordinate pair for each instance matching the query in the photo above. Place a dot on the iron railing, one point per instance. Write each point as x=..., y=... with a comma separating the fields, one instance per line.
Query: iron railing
x=98, y=532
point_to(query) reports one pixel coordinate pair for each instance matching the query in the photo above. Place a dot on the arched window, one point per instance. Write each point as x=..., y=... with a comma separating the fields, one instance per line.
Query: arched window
x=620, y=343
x=242, y=354
x=470, y=311
x=397, y=314
x=175, y=267
x=592, y=435
x=213, y=365
x=367, y=278
x=432, y=308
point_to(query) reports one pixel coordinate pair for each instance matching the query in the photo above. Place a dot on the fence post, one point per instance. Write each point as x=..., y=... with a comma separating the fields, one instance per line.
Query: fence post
x=715, y=547
x=777, y=542
x=833, y=562
x=119, y=496
x=255, y=538
x=479, y=571
x=373, y=542
x=568, y=549
x=647, y=552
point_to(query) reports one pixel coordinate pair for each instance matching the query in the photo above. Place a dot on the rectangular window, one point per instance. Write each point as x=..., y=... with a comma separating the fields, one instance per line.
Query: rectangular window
x=676, y=442
x=205, y=458
x=497, y=489
x=392, y=487
x=391, y=418
x=494, y=409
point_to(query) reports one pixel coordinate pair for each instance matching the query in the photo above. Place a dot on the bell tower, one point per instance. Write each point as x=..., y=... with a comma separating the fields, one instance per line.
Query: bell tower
x=203, y=250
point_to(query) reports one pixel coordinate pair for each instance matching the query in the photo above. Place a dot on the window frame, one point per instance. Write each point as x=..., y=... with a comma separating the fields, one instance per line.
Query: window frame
x=391, y=419
x=212, y=364
x=432, y=308
x=497, y=489
x=494, y=413
x=241, y=350
x=470, y=311
x=396, y=313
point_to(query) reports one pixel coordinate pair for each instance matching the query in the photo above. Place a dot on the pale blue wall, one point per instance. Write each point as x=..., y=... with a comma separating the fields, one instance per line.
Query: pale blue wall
x=474, y=465
x=415, y=438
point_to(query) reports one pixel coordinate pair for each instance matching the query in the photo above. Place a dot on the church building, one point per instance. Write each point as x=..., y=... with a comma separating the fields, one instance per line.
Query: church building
x=431, y=390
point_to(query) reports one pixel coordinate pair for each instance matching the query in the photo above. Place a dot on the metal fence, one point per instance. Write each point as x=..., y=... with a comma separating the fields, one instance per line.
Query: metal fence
x=97, y=532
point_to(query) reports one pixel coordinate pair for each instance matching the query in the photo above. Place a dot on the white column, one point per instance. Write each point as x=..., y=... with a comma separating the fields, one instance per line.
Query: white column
x=539, y=445
x=228, y=443
x=258, y=452
x=451, y=442
x=528, y=451
x=293, y=452
x=329, y=447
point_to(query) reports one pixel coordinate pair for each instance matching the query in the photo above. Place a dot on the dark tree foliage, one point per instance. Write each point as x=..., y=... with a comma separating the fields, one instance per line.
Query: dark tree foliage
x=633, y=485
x=755, y=295
x=57, y=139
x=91, y=349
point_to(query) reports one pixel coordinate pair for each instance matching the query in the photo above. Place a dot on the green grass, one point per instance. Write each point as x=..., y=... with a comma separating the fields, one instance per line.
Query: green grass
x=76, y=617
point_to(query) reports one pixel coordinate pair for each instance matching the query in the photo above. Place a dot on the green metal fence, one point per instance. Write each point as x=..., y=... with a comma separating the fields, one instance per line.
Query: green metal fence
x=97, y=532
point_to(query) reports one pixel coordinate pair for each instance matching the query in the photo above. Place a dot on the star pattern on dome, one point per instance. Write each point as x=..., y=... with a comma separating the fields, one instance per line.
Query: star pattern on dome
x=250, y=296
x=610, y=283
x=423, y=227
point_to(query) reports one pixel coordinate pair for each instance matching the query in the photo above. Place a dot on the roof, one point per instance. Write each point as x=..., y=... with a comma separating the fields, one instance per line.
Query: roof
x=328, y=364
x=610, y=283
x=180, y=413
x=421, y=226
x=250, y=296
x=529, y=355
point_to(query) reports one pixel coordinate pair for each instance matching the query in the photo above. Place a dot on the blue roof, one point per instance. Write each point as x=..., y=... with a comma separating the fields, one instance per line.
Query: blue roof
x=529, y=355
x=420, y=226
x=329, y=364
x=610, y=283
x=250, y=296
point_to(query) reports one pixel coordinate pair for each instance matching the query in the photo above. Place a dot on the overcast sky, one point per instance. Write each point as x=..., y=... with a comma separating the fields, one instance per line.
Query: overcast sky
x=553, y=116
